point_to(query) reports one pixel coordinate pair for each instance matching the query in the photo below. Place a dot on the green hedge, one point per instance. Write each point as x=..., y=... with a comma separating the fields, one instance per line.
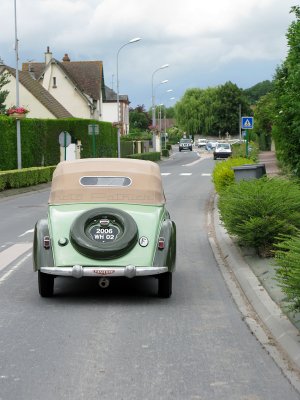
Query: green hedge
x=40, y=144
x=25, y=177
x=152, y=156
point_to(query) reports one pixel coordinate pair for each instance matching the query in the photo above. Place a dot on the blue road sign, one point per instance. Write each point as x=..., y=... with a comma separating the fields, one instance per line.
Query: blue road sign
x=247, y=122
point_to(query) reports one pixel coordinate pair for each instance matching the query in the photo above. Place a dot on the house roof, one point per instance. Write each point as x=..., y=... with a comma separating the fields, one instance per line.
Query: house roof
x=111, y=96
x=86, y=75
x=40, y=93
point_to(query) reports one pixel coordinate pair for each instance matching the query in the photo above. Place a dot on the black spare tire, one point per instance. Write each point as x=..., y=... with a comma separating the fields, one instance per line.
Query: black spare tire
x=118, y=233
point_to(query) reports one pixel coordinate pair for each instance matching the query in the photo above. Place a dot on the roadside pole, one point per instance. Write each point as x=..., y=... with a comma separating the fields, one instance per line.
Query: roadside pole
x=247, y=123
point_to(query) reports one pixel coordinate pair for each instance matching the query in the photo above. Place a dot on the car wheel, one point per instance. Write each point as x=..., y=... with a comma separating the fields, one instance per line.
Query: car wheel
x=165, y=285
x=46, y=284
x=120, y=221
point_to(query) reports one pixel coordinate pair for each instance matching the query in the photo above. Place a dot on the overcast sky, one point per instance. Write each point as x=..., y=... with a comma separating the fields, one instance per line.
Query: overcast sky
x=205, y=42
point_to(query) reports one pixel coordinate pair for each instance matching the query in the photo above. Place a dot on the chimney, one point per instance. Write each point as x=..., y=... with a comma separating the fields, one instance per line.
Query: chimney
x=66, y=58
x=48, y=56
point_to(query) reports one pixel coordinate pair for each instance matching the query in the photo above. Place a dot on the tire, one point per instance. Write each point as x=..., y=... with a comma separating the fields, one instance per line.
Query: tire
x=46, y=284
x=165, y=285
x=84, y=243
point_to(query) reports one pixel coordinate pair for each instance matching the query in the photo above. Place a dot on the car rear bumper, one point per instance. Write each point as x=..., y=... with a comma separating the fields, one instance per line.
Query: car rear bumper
x=78, y=271
x=222, y=155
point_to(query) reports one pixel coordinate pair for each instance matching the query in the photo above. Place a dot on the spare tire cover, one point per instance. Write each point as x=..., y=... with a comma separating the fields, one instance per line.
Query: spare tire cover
x=83, y=241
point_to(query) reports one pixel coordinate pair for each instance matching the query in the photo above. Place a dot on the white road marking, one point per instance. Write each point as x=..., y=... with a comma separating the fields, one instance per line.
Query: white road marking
x=25, y=233
x=165, y=173
x=8, y=273
x=9, y=255
x=186, y=174
x=205, y=174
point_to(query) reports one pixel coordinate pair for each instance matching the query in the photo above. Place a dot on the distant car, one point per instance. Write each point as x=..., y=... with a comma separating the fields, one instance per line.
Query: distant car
x=201, y=143
x=211, y=145
x=222, y=150
x=185, y=144
x=106, y=219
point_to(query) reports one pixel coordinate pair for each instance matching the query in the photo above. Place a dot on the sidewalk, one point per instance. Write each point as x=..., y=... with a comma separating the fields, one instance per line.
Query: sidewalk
x=255, y=278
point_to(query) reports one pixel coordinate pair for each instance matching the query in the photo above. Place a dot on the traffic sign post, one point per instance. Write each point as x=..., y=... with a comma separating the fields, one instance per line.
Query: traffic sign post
x=64, y=140
x=94, y=130
x=247, y=123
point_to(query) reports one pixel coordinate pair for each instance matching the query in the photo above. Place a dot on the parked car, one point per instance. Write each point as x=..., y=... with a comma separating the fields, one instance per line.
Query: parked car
x=201, y=143
x=222, y=150
x=107, y=218
x=185, y=144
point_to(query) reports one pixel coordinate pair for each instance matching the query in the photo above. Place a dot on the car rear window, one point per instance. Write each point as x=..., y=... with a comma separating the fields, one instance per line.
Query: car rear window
x=115, y=181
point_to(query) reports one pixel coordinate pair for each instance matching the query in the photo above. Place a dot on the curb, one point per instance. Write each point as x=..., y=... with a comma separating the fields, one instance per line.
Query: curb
x=269, y=313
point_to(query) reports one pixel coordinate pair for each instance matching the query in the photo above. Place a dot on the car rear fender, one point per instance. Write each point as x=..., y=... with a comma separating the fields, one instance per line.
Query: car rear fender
x=42, y=257
x=166, y=257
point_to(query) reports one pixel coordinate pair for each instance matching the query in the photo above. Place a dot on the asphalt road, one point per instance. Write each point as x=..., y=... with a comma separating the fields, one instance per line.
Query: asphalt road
x=124, y=343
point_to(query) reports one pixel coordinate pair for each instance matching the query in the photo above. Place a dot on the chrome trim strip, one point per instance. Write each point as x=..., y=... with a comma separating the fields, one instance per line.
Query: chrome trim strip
x=78, y=271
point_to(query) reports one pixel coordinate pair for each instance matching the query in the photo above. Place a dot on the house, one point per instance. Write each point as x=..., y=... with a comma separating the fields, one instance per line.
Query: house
x=39, y=101
x=79, y=86
x=109, y=109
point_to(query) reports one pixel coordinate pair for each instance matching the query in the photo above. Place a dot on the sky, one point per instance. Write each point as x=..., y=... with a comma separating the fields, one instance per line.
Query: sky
x=205, y=42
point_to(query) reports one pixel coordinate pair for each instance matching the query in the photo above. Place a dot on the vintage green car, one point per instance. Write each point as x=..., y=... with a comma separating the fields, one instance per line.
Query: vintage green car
x=107, y=218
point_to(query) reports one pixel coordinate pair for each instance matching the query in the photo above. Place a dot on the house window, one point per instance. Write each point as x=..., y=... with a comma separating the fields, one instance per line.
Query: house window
x=54, y=82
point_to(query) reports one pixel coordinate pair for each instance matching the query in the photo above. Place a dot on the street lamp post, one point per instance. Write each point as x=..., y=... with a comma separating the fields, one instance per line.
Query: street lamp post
x=18, y=122
x=153, y=98
x=118, y=96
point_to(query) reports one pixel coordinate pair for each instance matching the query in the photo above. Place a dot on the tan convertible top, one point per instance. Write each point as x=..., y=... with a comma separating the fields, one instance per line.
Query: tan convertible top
x=116, y=180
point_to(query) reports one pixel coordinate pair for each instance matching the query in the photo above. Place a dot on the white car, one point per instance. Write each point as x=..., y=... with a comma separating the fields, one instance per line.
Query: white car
x=222, y=150
x=201, y=143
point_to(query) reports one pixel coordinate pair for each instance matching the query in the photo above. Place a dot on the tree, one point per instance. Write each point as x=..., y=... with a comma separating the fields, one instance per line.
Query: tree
x=139, y=119
x=286, y=128
x=4, y=80
x=255, y=92
x=195, y=113
x=212, y=111
x=229, y=100
x=264, y=117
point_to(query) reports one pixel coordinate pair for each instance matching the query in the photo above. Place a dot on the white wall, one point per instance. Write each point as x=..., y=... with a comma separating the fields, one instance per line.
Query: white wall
x=65, y=92
x=27, y=100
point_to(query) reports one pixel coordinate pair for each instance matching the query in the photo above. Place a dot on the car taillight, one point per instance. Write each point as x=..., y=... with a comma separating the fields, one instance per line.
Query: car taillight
x=161, y=243
x=47, y=242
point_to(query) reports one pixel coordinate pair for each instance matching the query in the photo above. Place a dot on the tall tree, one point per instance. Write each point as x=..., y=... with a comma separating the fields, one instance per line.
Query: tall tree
x=286, y=128
x=264, y=119
x=229, y=100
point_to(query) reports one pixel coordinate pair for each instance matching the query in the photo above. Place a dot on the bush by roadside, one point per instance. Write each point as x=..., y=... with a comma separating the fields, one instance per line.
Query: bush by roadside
x=25, y=177
x=260, y=210
x=223, y=174
x=287, y=257
x=152, y=156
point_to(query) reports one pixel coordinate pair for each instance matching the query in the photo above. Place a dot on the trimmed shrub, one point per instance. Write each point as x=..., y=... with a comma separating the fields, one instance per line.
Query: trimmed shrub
x=259, y=210
x=165, y=152
x=40, y=144
x=25, y=177
x=287, y=256
x=223, y=174
x=152, y=156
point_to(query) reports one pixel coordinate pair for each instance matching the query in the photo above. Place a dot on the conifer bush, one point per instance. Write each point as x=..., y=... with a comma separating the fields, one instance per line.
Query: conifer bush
x=287, y=261
x=258, y=211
